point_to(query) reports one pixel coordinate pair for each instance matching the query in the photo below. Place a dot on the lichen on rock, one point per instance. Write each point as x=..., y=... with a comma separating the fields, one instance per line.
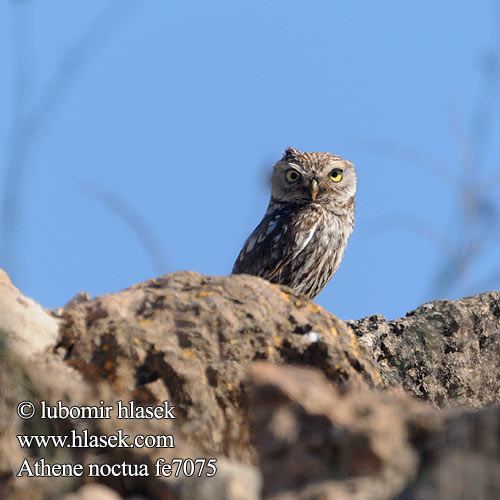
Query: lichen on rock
x=291, y=402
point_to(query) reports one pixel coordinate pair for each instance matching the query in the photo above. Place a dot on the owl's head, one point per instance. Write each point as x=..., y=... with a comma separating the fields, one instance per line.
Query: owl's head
x=320, y=178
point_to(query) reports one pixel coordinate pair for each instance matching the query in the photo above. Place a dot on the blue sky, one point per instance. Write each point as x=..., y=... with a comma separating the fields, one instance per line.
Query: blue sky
x=181, y=108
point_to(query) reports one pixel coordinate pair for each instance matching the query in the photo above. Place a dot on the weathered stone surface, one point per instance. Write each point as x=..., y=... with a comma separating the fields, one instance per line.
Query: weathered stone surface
x=446, y=352
x=322, y=434
x=184, y=338
x=463, y=461
x=94, y=492
x=28, y=372
x=24, y=324
x=316, y=441
x=313, y=438
x=233, y=481
x=194, y=337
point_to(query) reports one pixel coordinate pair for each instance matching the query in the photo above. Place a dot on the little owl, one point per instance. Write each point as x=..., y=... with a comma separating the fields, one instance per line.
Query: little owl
x=302, y=237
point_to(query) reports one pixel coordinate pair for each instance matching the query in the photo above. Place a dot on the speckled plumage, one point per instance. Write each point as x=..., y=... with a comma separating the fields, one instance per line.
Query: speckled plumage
x=301, y=240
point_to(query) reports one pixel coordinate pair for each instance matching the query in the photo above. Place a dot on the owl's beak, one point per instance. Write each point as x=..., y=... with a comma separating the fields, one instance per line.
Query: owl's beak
x=314, y=189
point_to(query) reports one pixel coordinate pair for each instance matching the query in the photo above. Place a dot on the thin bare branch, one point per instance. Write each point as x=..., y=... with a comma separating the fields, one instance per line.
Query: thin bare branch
x=139, y=224
x=414, y=224
x=26, y=128
x=412, y=155
x=467, y=158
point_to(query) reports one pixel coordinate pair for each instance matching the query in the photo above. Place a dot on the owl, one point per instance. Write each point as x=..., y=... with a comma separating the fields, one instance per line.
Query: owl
x=302, y=237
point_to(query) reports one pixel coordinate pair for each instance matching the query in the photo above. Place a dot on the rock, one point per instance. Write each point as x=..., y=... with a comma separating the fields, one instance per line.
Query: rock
x=27, y=334
x=184, y=338
x=463, y=461
x=233, y=481
x=316, y=441
x=94, y=492
x=446, y=352
x=23, y=323
x=190, y=339
x=331, y=406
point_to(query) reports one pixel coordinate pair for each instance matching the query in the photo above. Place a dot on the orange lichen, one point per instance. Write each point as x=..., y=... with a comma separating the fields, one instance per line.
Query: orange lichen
x=189, y=354
x=354, y=340
x=313, y=308
x=145, y=322
x=354, y=344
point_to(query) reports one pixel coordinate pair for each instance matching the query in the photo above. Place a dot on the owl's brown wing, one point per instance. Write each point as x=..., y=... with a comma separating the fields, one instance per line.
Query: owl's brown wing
x=279, y=238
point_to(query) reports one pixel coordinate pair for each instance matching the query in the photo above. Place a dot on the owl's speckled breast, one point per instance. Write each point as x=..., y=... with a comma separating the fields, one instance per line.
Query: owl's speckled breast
x=300, y=246
x=320, y=257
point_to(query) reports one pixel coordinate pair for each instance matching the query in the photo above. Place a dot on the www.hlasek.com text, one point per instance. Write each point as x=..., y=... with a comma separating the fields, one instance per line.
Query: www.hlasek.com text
x=86, y=440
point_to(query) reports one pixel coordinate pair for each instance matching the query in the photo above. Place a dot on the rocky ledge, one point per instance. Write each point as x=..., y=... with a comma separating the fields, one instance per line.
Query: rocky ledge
x=283, y=399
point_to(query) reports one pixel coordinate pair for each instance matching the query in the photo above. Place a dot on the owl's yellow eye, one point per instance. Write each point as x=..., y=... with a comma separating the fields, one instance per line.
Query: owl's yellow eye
x=292, y=175
x=335, y=175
